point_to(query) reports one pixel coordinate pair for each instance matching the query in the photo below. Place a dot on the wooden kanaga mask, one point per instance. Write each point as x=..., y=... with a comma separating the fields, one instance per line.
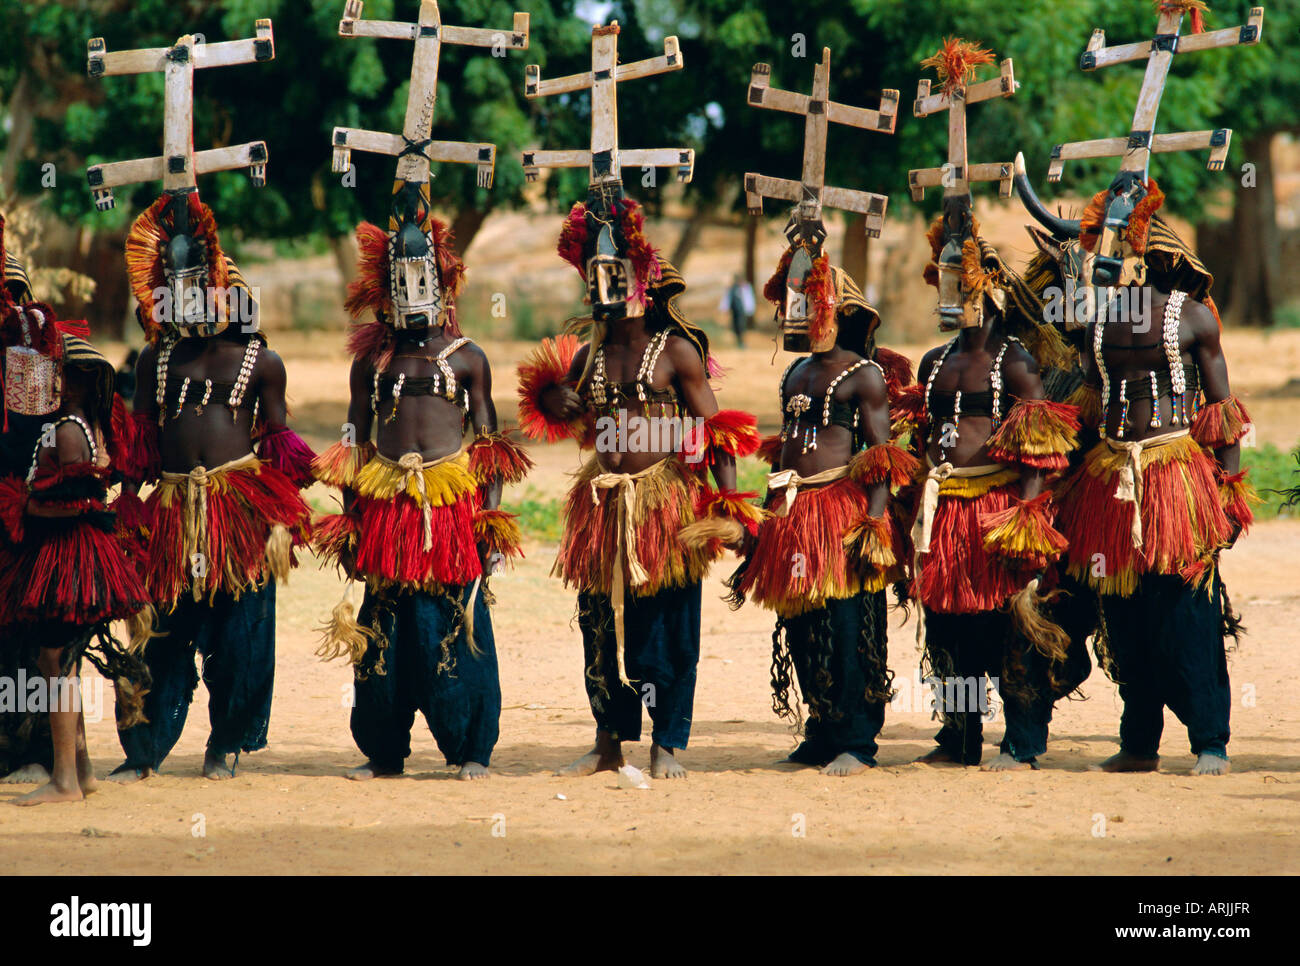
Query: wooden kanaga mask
x=415, y=285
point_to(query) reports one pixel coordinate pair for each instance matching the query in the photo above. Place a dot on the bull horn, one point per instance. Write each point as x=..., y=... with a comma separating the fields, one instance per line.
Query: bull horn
x=1061, y=228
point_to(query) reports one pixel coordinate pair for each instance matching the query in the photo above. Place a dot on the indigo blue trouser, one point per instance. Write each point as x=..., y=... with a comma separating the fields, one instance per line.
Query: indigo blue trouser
x=826, y=642
x=458, y=692
x=1167, y=644
x=965, y=651
x=236, y=639
x=661, y=654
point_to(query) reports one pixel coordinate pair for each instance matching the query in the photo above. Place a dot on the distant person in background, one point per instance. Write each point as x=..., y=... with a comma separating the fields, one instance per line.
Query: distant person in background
x=126, y=377
x=739, y=301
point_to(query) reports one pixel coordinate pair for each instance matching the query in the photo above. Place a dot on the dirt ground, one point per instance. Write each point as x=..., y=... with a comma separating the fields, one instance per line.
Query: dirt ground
x=290, y=810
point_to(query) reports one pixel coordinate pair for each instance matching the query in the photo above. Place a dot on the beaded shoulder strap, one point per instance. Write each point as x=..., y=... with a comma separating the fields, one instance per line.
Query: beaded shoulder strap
x=934, y=371
x=995, y=379
x=77, y=420
x=649, y=359
x=1174, y=356
x=830, y=390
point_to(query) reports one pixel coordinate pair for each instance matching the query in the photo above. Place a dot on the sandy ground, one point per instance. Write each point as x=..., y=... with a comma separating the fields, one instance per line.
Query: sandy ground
x=291, y=811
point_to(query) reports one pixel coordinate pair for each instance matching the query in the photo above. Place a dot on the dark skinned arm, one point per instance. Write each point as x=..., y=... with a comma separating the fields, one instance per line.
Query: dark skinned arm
x=872, y=397
x=693, y=383
x=360, y=418
x=482, y=412
x=1207, y=351
x=146, y=393
x=272, y=382
x=1023, y=382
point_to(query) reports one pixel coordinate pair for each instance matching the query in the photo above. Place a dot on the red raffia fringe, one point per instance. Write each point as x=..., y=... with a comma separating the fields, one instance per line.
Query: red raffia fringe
x=289, y=453
x=774, y=287
x=956, y=60
x=800, y=560
x=149, y=235
x=144, y=460
x=493, y=456
x=897, y=367
x=391, y=548
x=1037, y=433
x=244, y=507
x=1220, y=424
x=335, y=537
x=1196, y=7
x=372, y=342
x=731, y=431
x=546, y=366
x=907, y=410
x=499, y=532
x=121, y=440
x=665, y=505
x=1024, y=533
x=1237, y=495
x=959, y=575
x=645, y=261
x=819, y=292
x=884, y=463
x=76, y=575
x=13, y=501
x=1183, y=520
x=340, y=463
x=769, y=449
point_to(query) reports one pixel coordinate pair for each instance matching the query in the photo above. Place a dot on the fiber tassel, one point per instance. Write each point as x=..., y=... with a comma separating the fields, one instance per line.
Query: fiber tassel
x=342, y=635
x=548, y=365
x=1044, y=634
x=140, y=629
x=1023, y=532
x=279, y=553
x=730, y=431
x=1220, y=424
x=884, y=463
x=1087, y=399
x=13, y=503
x=493, y=456
x=144, y=459
x=339, y=464
x=1037, y=433
x=871, y=547
x=499, y=533
x=1237, y=496
x=769, y=450
x=287, y=452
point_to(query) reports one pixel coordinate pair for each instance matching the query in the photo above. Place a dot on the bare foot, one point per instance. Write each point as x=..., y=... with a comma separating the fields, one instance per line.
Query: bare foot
x=607, y=755
x=48, y=793
x=27, y=775
x=1004, y=762
x=663, y=764
x=125, y=775
x=1211, y=765
x=363, y=773
x=938, y=756
x=215, y=768
x=472, y=770
x=844, y=765
x=1125, y=762
x=86, y=773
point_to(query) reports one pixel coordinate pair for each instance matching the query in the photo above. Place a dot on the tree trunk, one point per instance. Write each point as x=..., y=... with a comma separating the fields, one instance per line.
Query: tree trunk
x=853, y=256
x=689, y=237
x=1251, y=293
x=465, y=226
x=20, y=136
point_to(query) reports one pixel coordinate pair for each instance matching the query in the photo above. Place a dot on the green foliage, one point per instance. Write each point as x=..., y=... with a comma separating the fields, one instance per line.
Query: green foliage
x=1272, y=470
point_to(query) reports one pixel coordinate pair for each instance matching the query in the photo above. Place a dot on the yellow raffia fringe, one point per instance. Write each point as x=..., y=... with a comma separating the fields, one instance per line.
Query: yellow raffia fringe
x=139, y=628
x=1034, y=432
x=1022, y=535
x=700, y=533
x=1230, y=492
x=342, y=636
x=971, y=487
x=1027, y=614
x=339, y=464
x=1088, y=399
x=444, y=483
x=1104, y=462
x=279, y=553
x=866, y=543
x=501, y=533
